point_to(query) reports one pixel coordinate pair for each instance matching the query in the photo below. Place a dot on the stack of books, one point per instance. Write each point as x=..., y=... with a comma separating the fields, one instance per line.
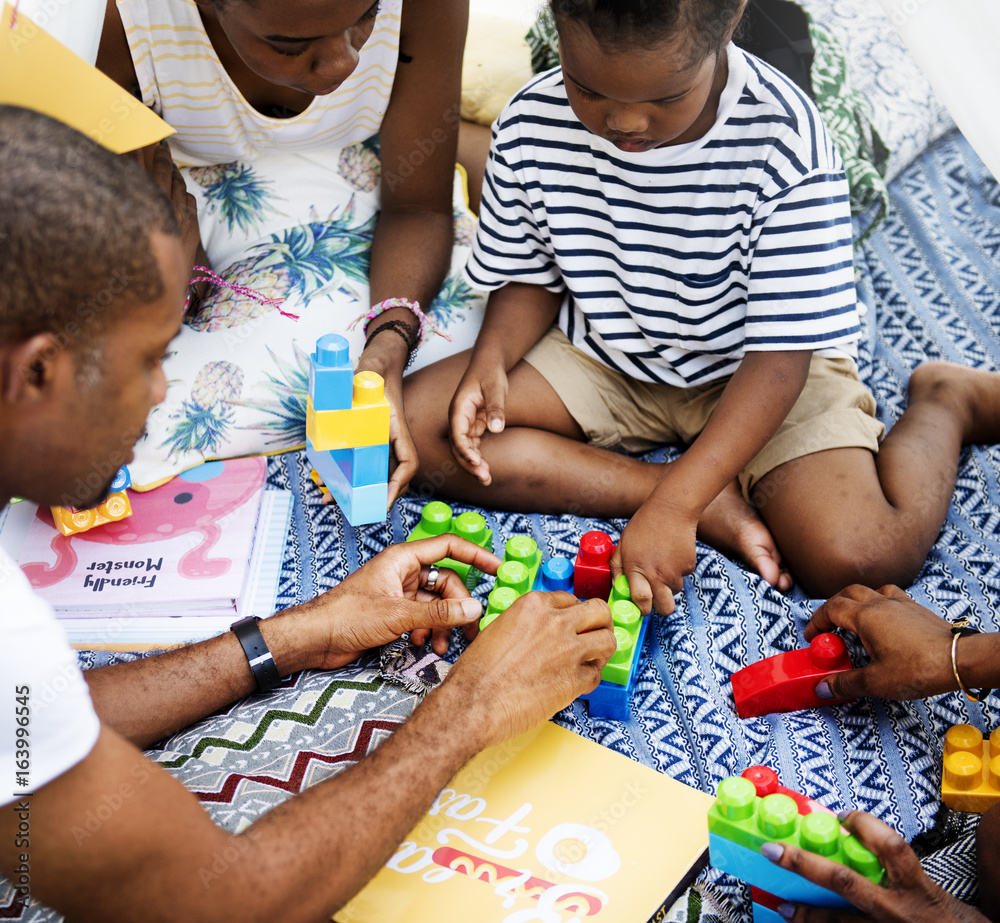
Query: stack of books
x=196, y=554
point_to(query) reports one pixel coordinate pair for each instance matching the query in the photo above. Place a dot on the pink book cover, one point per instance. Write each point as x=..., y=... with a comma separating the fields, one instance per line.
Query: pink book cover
x=187, y=545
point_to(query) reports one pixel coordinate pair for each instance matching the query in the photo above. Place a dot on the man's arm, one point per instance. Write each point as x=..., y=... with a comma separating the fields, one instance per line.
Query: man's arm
x=157, y=856
x=657, y=547
x=148, y=699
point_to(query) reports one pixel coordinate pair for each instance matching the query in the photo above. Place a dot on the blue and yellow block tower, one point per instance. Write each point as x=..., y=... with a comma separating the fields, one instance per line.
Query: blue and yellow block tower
x=347, y=431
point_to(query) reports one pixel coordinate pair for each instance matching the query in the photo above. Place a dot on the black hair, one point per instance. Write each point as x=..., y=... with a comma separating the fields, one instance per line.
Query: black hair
x=75, y=234
x=619, y=24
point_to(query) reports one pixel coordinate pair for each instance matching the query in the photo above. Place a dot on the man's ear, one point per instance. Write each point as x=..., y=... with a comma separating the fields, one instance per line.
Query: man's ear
x=29, y=369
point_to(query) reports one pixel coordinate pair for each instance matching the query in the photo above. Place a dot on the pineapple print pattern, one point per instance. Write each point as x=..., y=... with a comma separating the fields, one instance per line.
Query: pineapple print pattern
x=360, y=165
x=235, y=191
x=287, y=404
x=306, y=261
x=204, y=419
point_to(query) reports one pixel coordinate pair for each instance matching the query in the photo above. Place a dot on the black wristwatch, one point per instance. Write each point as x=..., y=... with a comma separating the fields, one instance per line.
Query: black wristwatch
x=261, y=661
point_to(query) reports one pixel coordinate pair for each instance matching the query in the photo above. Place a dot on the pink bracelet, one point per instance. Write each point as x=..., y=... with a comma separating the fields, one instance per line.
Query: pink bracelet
x=208, y=276
x=428, y=323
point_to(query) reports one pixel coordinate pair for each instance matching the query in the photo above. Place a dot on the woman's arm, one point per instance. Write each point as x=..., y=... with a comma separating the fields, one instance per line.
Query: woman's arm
x=411, y=251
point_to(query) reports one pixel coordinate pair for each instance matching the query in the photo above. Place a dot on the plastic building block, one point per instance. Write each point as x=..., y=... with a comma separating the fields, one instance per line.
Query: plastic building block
x=366, y=422
x=618, y=678
x=331, y=377
x=69, y=521
x=122, y=481
x=591, y=570
x=971, y=775
x=765, y=782
x=765, y=907
x=524, y=550
x=359, y=505
x=500, y=600
x=436, y=518
x=787, y=682
x=740, y=822
x=365, y=465
x=555, y=574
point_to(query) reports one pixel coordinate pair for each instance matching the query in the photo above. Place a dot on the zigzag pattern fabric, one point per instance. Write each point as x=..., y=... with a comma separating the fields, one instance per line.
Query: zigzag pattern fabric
x=931, y=278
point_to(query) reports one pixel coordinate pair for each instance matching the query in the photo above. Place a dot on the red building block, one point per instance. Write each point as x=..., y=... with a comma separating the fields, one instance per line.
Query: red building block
x=591, y=570
x=787, y=682
x=765, y=781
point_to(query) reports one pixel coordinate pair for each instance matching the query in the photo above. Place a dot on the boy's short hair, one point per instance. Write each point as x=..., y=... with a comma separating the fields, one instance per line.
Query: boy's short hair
x=75, y=234
x=619, y=24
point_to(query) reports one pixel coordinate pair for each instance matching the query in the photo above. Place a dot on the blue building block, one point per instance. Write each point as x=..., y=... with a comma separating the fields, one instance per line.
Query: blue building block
x=360, y=505
x=364, y=465
x=750, y=866
x=610, y=700
x=122, y=481
x=555, y=574
x=762, y=914
x=331, y=377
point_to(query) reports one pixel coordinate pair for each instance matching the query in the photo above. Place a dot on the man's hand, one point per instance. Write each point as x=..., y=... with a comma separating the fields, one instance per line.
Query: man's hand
x=908, y=895
x=909, y=646
x=379, y=602
x=532, y=661
x=656, y=551
x=477, y=407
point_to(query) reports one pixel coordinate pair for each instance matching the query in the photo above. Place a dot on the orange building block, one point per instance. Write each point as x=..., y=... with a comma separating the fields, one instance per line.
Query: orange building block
x=366, y=423
x=971, y=777
x=70, y=521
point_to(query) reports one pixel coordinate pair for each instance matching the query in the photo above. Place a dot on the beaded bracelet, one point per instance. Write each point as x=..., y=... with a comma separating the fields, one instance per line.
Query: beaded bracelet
x=208, y=276
x=403, y=329
x=428, y=323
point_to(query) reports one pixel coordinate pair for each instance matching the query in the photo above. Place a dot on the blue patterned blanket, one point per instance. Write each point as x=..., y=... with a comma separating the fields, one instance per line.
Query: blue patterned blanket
x=930, y=278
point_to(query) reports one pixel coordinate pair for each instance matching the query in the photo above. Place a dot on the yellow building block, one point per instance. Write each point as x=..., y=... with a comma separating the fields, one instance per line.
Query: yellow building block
x=70, y=521
x=971, y=777
x=366, y=423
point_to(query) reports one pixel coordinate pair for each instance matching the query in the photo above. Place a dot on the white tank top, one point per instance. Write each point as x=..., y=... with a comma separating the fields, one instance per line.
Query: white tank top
x=181, y=77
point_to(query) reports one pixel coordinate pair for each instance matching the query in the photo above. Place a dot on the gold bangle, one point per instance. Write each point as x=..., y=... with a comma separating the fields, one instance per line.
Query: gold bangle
x=959, y=631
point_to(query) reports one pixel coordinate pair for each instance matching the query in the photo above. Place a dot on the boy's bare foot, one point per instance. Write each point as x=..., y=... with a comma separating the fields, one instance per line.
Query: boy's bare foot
x=732, y=526
x=970, y=396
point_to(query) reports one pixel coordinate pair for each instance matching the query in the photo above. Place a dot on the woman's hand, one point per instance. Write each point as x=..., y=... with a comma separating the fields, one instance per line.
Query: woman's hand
x=907, y=895
x=909, y=646
x=379, y=602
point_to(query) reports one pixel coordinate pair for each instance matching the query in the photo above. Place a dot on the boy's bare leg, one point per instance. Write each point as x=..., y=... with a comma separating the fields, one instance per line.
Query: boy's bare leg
x=541, y=464
x=845, y=516
x=988, y=850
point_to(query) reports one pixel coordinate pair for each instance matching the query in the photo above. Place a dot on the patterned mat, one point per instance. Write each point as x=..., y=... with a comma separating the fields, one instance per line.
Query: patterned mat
x=930, y=277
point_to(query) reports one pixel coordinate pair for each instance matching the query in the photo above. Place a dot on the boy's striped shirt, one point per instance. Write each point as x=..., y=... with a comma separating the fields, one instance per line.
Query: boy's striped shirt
x=678, y=259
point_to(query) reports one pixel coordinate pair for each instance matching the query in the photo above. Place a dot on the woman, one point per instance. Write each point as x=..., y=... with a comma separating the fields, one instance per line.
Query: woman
x=319, y=138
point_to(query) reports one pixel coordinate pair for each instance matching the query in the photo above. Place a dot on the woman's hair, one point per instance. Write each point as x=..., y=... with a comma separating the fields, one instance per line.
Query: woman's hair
x=75, y=226
x=619, y=24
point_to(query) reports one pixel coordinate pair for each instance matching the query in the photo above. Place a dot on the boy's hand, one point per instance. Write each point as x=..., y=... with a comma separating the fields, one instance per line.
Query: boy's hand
x=656, y=550
x=478, y=406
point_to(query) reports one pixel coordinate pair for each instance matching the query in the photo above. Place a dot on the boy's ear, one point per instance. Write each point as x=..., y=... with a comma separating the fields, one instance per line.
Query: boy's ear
x=28, y=369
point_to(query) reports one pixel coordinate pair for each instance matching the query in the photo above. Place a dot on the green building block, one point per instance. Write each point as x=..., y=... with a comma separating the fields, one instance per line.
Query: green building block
x=437, y=519
x=739, y=815
x=524, y=550
x=500, y=600
x=628, y=620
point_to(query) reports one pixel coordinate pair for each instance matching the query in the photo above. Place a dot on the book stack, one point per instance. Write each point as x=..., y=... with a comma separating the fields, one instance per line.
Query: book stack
x=197, y=553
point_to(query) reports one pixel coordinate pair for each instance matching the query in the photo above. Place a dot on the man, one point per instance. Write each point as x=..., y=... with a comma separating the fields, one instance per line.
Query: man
x=95, y=270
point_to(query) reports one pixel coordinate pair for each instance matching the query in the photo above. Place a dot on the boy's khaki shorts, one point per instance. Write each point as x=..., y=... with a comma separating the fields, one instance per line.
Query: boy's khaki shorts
x=834, y=410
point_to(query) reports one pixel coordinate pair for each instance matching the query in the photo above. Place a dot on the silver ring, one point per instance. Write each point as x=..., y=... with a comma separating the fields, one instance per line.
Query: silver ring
x=432, y=577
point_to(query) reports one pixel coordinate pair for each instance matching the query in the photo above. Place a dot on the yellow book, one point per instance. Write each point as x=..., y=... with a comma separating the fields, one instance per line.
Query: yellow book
x=549, y=827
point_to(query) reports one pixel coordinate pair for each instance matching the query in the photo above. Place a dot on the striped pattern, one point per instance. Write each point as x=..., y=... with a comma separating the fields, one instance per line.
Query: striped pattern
x=679, y=259
x=181, y=78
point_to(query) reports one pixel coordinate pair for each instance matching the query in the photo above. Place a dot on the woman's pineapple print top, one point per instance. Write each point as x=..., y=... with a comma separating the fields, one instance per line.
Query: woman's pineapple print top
x=181, y=77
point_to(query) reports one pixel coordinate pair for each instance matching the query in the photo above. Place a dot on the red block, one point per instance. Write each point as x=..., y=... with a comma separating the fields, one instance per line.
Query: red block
x=766, y=782
x=787, y=682
x=591, y=570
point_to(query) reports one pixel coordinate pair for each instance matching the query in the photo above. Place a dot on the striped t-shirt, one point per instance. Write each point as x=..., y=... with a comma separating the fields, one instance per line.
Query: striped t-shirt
x=679, y=259
x=181, y=77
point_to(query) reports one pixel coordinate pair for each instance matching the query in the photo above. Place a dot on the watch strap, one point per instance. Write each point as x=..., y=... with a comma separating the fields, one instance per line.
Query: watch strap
x=262, y=664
